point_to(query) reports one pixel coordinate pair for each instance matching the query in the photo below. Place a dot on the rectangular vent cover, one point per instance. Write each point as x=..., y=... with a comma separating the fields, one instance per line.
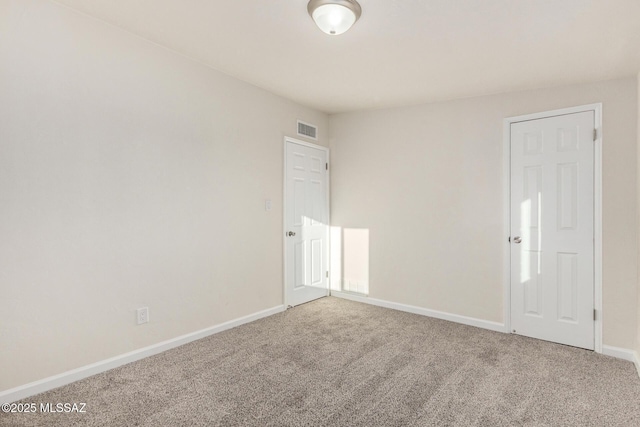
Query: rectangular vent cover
x=307, y=130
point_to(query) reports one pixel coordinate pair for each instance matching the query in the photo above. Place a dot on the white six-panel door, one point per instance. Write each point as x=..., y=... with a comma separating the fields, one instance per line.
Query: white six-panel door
x=306, y=223
x=552, y=229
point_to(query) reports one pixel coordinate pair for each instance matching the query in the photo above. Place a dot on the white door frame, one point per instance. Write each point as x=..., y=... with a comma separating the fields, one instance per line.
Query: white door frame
x=597, y=217
x=288, y=140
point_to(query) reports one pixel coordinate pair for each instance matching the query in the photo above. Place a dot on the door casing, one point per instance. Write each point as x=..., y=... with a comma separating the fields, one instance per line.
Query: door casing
x=597, y=214
x=288, y=140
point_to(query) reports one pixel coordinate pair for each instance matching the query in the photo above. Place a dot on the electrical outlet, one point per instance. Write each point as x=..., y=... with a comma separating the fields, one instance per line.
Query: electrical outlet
x=142, y=315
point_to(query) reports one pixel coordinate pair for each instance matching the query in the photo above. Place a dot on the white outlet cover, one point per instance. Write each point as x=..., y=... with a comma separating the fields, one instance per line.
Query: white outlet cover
x=267, y=205
x=142, y=315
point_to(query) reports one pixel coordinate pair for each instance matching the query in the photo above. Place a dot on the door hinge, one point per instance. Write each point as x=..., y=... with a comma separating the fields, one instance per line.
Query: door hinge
x=595, y=135
x=509, y=239
x=327, y=274
x=594, y=314
x=326, y=166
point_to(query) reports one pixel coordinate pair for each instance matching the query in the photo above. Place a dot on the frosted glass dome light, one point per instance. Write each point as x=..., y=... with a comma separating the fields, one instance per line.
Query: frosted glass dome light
x=334, y=16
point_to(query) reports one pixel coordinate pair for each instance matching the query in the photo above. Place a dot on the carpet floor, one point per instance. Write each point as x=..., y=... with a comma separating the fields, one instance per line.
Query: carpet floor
x=334, y=362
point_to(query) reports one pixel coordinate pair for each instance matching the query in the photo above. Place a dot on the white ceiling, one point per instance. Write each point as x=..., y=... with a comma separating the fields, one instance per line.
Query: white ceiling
x=400, y=52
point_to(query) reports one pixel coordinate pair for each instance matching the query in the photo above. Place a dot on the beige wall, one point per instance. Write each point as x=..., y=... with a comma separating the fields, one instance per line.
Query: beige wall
x=427, y=183
x=129, y=176
x=637, y=348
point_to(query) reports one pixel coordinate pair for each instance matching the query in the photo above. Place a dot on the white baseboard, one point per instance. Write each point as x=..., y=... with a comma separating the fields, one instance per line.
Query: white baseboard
x=68, y=377
x=624, y=354
x=470, y=321
x=619, y=353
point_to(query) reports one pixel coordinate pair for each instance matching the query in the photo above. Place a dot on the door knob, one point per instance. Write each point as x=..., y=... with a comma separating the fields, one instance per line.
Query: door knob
x=291, y=233
x=517, y=239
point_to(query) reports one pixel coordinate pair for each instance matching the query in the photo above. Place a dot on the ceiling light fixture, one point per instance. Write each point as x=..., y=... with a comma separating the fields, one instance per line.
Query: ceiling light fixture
x=334, y=16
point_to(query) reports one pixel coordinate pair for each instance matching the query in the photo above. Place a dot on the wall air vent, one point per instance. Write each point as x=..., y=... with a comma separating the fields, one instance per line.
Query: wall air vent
x=307, y=130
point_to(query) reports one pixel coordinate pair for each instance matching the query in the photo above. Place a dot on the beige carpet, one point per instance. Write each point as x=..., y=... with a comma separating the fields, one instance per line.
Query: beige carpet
x=338, y=363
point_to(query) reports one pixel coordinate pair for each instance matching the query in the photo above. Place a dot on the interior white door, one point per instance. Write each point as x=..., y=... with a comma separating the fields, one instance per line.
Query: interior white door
x=306, y=223
x=552, y=229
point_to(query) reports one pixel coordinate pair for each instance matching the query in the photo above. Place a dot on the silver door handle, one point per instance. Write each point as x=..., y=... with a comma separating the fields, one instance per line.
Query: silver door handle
x=291, y=233
x=517, y=239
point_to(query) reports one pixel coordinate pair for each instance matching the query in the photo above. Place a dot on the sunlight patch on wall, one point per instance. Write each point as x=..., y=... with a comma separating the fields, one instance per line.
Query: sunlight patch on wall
x=350, y=260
